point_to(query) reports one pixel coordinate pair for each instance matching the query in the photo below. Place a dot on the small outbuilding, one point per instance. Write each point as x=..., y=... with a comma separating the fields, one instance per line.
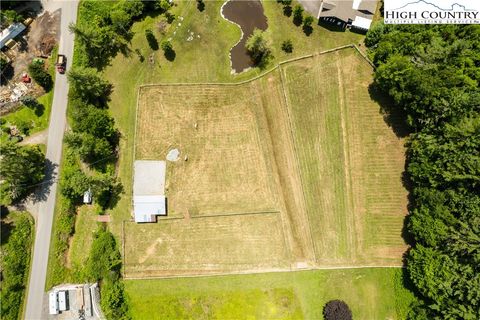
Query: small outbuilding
x=87, y=197
x=149, y=190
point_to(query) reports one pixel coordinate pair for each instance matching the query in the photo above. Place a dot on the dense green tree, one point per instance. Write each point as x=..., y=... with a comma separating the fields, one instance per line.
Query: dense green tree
x=374, y=34
x=106, y=190
x=94, y=121
x=200, y=5
x=3, y=63
x=73, y=182
x=91, y=149
x=298, y=15
x=113, y=300
x=162, y=5
x=152, y=41
x=99, y=42
x=258, y=48
x=133, y=8
x=21, y=169
x=168, y=50
x=287, y=46
x=450, y=157
x=104, y=263
x=432, y=74
x=88, y=85
x=104, y=256
x=40, y=75
x=8, y=17
x=337, y=310
x=307, y=25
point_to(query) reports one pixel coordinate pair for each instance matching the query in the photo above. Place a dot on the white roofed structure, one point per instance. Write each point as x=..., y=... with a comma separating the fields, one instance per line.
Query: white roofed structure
x=52, y=303
x=11, y=32
x=149, y=190
x=62, y=300
x=362, y=23
x=348, y=13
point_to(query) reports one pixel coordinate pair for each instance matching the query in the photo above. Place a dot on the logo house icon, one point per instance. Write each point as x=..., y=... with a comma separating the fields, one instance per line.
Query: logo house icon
x=432, y=12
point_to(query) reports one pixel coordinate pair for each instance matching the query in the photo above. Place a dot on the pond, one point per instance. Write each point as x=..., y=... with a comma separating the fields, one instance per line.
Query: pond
x=248, y=15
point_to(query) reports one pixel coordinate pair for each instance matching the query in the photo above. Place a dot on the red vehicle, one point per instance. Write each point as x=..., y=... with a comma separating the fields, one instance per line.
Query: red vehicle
x=61, y=63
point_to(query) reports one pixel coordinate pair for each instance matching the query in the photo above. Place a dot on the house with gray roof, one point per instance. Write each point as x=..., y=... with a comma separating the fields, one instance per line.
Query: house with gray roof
x=355, y=14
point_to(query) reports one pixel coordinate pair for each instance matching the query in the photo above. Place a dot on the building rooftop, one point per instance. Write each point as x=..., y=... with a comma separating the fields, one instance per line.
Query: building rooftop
x=11, y=32
x=149, y=190
x=349, y=10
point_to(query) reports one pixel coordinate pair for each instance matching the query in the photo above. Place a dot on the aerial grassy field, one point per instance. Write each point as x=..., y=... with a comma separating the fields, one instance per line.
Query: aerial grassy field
x=204, y=59
x=203, y=245
x=322, y=157
x=81, y=241
x=351, y=162
x=226, y=170
x=370, y=293
x=340, y=167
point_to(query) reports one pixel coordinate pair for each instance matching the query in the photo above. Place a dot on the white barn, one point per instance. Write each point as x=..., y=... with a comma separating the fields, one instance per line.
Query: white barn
x=149, y=190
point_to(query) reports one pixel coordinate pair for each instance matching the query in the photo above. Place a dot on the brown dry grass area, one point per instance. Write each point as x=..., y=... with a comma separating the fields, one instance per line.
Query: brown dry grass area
x=299, y=167
x=226, y=170
x=351, y=162
x=206, y=245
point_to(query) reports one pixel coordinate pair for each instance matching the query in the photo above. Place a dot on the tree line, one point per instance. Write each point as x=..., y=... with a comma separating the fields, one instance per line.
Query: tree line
x=105, y=31
x=102, y=31
x=431, y=73
x=15, y=262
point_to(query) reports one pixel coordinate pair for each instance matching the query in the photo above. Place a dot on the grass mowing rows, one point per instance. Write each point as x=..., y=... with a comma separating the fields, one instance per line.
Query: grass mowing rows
x=351, y=162
x=374, y=293
x=204, y=59
x=370, y=293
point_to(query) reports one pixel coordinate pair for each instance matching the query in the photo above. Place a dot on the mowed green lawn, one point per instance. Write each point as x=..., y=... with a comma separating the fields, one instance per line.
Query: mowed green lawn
x=370, y=293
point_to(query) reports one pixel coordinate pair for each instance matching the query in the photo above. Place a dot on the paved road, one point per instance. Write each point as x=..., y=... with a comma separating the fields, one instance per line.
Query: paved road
x=38, y=270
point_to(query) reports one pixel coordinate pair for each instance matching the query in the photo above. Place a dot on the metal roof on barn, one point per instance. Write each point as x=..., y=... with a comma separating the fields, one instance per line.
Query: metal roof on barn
x=149, y=190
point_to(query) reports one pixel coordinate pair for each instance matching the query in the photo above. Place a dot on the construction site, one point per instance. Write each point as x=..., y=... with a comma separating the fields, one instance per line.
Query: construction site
x=22, y=43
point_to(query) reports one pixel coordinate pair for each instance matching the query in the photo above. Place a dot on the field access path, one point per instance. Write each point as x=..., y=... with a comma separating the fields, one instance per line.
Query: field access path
x=46, y=206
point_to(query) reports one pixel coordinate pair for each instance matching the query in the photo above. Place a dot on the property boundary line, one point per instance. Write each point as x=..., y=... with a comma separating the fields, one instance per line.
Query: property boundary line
x=364, y=56
x=248, y=80
x=341, y=267
x=214, y=215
